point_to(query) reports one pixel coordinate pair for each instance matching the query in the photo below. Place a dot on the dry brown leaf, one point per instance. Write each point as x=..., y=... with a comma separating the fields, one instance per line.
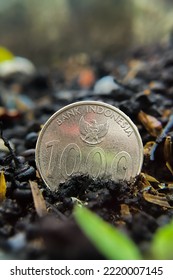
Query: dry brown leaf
x=38, y=174
x=151, y=179
x=39, y=202
x=156, y=199
x=147, y=148
x=168, y=149
x=166, y=113
x=144, y=183
x=135, y=66
x=152, y=125
x=3, y=186
x=147, y=91
x=125, y=211
x=169, y=167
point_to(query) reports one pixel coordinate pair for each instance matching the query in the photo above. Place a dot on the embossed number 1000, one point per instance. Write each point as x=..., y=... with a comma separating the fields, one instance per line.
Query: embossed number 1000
x=95, y=162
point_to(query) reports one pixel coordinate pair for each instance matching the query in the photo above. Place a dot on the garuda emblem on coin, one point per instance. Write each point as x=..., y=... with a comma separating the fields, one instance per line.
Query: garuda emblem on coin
x=93, y=132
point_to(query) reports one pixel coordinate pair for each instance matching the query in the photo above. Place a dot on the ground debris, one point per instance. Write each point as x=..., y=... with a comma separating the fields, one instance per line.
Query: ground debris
x=38, y=224
x=3, y=186
x=160, y=200
x=39, y=202
x=152, y=125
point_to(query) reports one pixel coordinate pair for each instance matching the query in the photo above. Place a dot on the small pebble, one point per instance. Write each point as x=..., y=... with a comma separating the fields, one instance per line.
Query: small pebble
x=105, y=85
x=30, y=140
x=17, y=242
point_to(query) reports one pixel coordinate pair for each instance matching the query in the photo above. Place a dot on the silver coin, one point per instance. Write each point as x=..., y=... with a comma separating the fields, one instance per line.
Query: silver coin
x=91, y=138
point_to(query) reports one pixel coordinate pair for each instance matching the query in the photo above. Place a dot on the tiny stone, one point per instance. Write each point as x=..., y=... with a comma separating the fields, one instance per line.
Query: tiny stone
x=17, y=242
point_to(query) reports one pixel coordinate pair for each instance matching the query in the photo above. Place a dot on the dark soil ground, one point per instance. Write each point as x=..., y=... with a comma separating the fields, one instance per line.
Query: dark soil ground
x=144, y=91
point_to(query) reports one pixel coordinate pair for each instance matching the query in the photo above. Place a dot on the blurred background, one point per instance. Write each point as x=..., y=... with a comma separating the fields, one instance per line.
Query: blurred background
x=48, y=32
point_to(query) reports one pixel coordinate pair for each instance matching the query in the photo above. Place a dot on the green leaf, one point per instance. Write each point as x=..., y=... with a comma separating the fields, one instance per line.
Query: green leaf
x=162, y=244
x=112, y=243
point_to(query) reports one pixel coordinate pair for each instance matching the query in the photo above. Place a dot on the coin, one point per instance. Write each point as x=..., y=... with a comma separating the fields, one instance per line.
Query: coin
x=91, y=138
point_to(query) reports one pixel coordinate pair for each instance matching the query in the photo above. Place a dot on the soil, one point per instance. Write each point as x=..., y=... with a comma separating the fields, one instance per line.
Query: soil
x=144, y=82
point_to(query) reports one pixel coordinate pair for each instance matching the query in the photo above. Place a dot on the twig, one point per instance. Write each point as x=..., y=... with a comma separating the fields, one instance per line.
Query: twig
x=7, y=144
x=161, y=136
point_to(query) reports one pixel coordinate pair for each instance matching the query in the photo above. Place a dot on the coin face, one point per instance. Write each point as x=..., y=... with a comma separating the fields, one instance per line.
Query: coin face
x=88, y=138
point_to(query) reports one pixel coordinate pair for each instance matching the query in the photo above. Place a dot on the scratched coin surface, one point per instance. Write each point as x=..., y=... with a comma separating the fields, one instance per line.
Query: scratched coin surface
x=88, y=138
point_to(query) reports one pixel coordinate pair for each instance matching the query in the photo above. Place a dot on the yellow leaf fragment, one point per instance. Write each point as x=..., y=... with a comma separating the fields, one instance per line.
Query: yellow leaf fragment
x=39, y=202
x=5, y=54
x=162, y=186
x=3, y=186
x=152, y=125
x=156, y=199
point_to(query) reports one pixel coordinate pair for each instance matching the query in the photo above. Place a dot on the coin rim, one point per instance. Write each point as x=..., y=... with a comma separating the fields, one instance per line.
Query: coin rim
x=79, y=103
